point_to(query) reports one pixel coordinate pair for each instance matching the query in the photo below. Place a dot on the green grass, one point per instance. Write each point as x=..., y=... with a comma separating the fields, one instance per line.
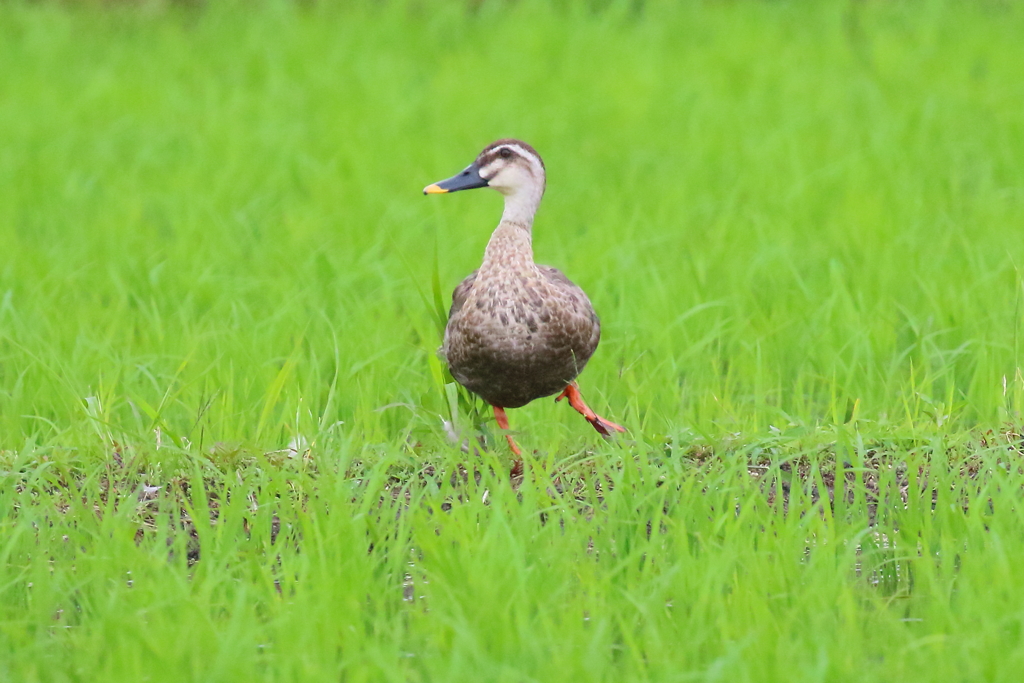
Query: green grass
x=800, y=223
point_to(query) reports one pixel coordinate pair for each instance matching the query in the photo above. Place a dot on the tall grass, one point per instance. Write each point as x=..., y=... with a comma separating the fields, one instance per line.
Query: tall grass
x=800, y=224
x=777, y=210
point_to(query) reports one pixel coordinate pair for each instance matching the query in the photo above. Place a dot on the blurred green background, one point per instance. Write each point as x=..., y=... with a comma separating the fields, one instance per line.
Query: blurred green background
x=786, y=214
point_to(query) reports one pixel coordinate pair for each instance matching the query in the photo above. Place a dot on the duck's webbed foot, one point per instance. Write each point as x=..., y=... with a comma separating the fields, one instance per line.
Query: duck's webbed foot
x=604, y=427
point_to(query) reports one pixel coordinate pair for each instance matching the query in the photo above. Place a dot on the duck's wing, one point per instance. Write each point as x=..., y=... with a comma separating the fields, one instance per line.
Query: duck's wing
x=461, y=293
x=583, y=328
x=557, y=277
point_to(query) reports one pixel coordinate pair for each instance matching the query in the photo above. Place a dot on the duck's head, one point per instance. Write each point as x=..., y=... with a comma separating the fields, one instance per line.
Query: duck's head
x=509, y=166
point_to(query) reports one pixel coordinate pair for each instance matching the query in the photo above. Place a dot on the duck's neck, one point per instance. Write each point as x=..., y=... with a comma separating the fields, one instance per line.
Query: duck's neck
x=512, y=241
x=510, y=246
x=521, y=205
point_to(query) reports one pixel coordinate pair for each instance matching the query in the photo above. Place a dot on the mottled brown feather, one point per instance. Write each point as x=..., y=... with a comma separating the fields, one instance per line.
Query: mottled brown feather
x=511, y=346
x=461, y=292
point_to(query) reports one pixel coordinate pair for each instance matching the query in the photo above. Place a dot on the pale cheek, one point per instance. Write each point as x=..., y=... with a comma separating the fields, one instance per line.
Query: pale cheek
x=509, y=180
x=489, y=171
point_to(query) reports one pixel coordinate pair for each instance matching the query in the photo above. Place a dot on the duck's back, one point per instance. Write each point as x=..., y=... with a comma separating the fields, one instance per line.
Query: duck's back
x=515, y=337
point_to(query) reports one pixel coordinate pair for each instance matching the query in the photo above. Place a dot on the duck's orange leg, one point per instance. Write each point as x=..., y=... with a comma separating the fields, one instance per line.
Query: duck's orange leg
x=604, y=427
x=517, y=462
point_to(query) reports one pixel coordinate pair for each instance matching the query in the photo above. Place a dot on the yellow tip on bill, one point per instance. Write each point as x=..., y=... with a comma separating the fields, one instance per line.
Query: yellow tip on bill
x=434, y=189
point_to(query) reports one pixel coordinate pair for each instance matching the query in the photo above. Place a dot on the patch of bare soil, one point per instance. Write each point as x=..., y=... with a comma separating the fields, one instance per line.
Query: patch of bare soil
x=886, y=474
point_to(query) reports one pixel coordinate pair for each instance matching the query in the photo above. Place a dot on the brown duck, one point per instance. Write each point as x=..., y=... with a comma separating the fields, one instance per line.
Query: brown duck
x=517, y=330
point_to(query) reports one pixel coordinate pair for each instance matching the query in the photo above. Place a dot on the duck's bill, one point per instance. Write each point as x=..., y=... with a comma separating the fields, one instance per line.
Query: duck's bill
x=467, y=180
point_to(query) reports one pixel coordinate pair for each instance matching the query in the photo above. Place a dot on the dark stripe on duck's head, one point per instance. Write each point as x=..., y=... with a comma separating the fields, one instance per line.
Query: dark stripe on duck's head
x=507, y=148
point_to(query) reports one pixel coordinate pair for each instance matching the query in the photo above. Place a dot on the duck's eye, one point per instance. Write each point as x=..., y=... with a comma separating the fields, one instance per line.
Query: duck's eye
x=505, y=153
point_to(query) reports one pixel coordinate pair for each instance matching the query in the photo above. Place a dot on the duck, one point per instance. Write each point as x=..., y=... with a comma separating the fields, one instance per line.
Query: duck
x=517, y=331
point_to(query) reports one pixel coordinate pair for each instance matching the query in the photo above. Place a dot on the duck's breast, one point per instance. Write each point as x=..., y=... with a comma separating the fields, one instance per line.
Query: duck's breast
x=518, y=337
